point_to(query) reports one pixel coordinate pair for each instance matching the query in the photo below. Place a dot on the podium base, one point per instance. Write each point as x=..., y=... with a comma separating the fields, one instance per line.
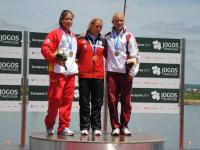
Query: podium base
x=137, y=141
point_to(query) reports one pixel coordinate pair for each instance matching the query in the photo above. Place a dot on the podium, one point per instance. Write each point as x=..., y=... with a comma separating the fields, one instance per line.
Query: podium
x=137, y=141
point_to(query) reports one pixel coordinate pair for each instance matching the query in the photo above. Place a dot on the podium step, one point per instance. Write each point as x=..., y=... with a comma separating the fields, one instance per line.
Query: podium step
x=137, y=141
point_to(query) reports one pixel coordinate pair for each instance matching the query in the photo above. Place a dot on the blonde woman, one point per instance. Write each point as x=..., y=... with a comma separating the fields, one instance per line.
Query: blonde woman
x=122, y=65
x=91, y=49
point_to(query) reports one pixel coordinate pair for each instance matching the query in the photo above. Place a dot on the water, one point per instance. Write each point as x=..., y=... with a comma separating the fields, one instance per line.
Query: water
x=165, y=125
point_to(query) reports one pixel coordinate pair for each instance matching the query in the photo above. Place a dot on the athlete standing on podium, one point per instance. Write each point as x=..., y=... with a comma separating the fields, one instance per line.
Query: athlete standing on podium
x=122, y=65
x=91, y=77
x=59, y=49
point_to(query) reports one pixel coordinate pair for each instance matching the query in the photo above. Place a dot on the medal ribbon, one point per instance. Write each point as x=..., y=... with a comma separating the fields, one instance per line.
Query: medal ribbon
x=69, y=39
x=95, y=44
x=116, y=41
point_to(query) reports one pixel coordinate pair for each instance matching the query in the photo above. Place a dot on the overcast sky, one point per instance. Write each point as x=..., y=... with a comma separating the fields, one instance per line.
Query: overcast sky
x=144, y=18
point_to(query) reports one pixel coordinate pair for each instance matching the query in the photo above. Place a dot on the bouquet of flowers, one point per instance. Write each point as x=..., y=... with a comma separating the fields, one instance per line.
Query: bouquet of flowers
x=61, y=56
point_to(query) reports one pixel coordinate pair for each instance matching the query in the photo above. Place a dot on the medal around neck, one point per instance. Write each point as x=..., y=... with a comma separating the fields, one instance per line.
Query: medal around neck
x=94, y=58
x=116, y=53
x=71, y=53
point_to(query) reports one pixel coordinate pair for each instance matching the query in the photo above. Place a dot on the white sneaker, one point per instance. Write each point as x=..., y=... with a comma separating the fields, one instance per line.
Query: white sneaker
x=97, y=132
x=50, y=131
x=125, y=131
x=67, y=132
x=115, y=132
x=84, y=132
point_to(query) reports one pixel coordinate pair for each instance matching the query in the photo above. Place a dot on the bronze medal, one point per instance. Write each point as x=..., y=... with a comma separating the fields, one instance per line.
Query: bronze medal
x=116, y=53
x=70, y=53
x=94, y=58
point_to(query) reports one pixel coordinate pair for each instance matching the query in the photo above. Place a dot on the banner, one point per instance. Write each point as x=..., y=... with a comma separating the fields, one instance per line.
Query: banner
x=10, y=70
x=156, y=86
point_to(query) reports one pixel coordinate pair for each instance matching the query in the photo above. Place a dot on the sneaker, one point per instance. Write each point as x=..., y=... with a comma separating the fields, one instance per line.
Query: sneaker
x=50, y=131
x=115, y=132
x=125, y=131
x=96, y=132
x=84, y=132
x=66, y=132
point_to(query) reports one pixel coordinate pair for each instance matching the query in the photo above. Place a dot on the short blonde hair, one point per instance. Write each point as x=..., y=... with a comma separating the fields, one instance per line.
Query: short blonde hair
x=117, y=14
x=92, y=22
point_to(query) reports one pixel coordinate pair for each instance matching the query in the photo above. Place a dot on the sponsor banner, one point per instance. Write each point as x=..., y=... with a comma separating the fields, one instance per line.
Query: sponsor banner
x=38, y=66
x=159, y=45
x=10, y=79
x=163, y=58
x=10, y=106
x=37, y=93
x=36, y=39
x=155, y=108
x=10, y=92
x=159, y=70
x=155, y=95
x=10, y=65
x=11, y=38
x=10, y=52
x=163, y=83
x=41, y=106
x=38, y=80
x=35, y=53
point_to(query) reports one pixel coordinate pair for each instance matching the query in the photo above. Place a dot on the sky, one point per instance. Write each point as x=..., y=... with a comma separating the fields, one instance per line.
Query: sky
x=144, y=18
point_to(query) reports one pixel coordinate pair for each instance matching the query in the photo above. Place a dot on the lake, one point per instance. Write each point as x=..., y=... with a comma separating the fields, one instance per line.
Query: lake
x=165, y=125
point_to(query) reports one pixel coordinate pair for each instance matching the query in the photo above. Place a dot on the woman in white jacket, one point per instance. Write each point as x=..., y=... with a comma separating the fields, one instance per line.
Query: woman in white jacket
x=122, y=65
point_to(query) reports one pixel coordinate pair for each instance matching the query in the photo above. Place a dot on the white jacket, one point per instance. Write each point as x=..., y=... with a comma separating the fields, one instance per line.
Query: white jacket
x=117, y=63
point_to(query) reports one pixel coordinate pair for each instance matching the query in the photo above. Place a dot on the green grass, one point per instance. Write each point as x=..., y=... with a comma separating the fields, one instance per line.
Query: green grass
x=192, y=95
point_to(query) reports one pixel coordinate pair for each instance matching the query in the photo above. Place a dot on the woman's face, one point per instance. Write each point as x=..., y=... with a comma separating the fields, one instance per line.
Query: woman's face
x=67, y=21
x=95, y=28
x=118, y=22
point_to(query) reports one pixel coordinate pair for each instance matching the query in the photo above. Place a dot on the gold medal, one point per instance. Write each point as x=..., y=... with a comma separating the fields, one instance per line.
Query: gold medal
x=94, y=58
x=70, y=53
x=116, y=53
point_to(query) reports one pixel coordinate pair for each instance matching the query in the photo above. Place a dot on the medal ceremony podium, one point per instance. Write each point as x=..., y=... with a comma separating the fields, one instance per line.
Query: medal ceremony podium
x=137, y=141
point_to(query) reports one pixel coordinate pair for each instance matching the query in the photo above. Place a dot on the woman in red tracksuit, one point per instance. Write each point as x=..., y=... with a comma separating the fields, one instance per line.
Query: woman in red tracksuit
x=91, y=77
x=59, y=49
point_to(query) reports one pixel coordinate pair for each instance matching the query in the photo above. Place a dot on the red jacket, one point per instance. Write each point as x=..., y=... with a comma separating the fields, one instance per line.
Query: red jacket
x=88, y=68
x=50, y=46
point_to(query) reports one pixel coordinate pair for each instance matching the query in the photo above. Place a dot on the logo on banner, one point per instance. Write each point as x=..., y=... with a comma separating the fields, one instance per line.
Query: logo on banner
x=10, y=38
x=155, y=95
x=156, y=70
x=157, y=45
x=8, y=65
x=166, y=71
x=10, y=94
x=167, y=46
x=164, y=96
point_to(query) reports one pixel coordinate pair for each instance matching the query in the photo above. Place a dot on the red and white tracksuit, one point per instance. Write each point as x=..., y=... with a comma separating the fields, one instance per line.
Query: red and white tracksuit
x=118, y=86
x=62, y=80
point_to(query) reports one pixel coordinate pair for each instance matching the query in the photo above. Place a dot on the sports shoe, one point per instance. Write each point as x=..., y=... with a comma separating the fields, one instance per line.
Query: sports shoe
x=50, y=131
x=66, y=132
x=125, y=131
x=84, y=132
x=96, y=132
x=115, y=132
